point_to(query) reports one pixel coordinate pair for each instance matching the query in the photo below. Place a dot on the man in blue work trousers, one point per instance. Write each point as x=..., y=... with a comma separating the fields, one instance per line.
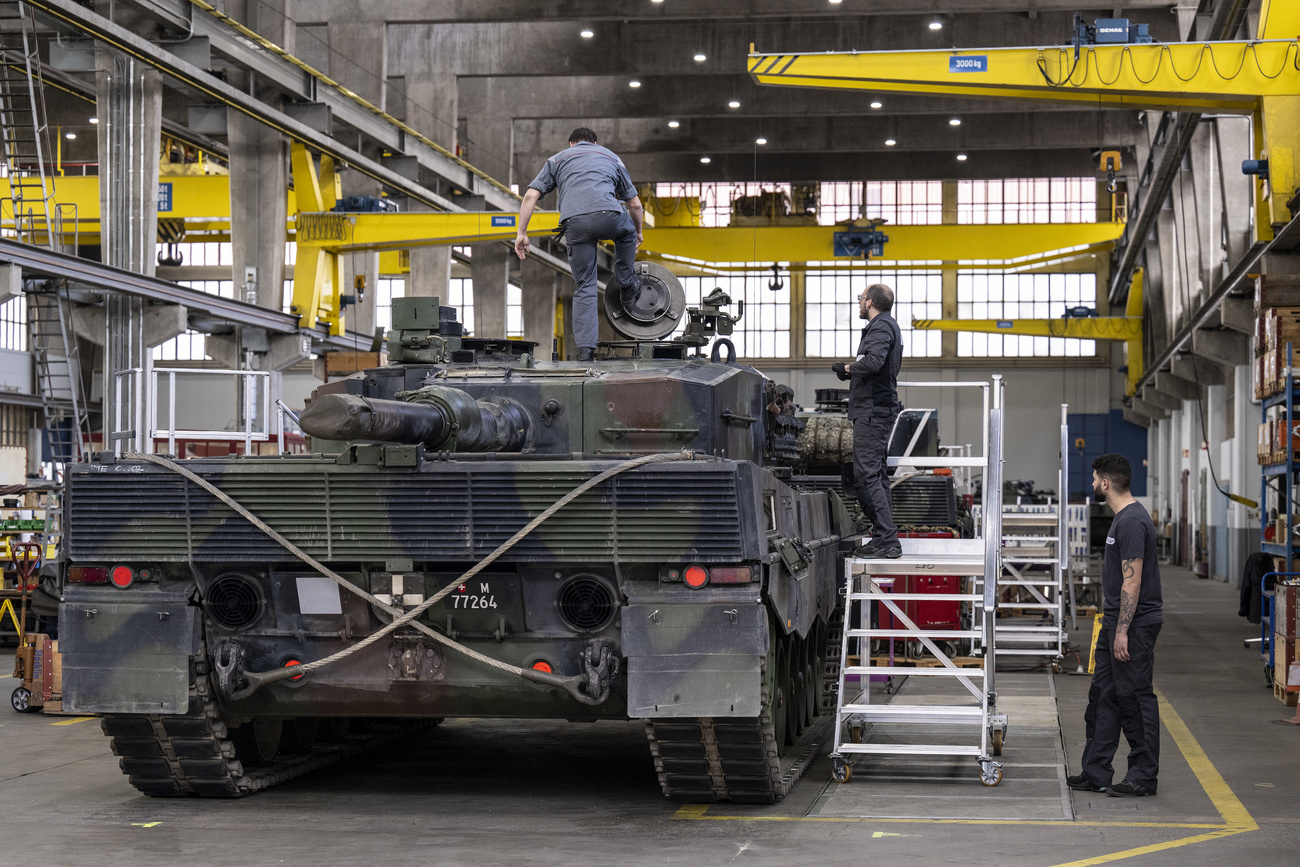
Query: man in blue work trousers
x=592, y=181
x=1122, y=697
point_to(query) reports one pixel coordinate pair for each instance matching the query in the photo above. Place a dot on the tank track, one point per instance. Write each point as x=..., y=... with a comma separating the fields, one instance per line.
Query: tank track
x=706, y=760
x=192, y=754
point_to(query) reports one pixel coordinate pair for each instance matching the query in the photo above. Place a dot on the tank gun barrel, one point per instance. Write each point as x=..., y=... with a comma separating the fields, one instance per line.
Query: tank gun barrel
x=437, y=416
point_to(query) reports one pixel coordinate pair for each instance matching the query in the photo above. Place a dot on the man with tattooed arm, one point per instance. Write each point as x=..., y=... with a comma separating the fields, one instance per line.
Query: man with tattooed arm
x=1122, y=696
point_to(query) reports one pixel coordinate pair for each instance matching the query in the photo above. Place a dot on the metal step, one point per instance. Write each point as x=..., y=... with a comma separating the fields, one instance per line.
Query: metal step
x=941, y=634
x=948, y=714
x=910, y=749
x=919, y=671
x=917, y=597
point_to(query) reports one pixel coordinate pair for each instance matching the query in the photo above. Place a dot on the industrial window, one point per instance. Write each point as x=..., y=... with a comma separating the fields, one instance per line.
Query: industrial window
x=1027, y=200
x=202, y=253
x=982, y=295
x=386, y=290
x=192, y=345
x=14, y=424
x=901, y=203
x=13, y=324
x=514, y=311
x=833, y=326
x=460, y=294
x=764, y=329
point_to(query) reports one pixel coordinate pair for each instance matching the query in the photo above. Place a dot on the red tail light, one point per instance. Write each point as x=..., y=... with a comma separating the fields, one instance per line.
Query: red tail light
x=695, y=576
x=542, y=666
x=87, y=575
x=294, y=662
x=122, y=576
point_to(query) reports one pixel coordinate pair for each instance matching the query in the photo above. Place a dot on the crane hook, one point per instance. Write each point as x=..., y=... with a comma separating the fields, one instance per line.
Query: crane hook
x=775, y=284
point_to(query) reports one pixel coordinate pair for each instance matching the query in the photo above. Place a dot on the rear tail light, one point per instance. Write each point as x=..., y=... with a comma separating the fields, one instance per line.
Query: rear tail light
x=731, y=575
x=87, y=575
x=121, y=576
x=542, y=666
x=294, y=662
x=695, y=576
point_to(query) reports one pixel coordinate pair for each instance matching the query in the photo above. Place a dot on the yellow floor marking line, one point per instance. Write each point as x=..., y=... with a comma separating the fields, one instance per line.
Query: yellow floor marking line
x=73, y=721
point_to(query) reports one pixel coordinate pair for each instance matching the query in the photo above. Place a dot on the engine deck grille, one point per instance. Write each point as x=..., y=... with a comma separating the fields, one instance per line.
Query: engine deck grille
x=448, y=511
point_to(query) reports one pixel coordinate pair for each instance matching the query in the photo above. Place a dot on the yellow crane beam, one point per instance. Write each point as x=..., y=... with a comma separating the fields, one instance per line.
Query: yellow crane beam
x=1127, y=328
x=1211, y=76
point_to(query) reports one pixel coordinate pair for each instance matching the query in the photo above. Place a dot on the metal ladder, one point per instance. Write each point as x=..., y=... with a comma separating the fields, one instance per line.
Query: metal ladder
x=1035, y=563
x=38, y=219
x=971, y=716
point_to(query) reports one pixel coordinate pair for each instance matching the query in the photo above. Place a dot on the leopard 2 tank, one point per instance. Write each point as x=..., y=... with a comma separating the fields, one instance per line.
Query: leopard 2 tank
x=476, y=533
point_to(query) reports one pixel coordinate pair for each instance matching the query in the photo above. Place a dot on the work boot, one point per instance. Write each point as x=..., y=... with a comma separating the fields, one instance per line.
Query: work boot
x=586, y=353
x=1131, y=790
x=628, y=295
x=884, y=552
x=1080, y=783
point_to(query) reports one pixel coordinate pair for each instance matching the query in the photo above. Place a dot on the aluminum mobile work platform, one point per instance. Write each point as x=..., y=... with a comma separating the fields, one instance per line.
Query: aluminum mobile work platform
x=971, y=716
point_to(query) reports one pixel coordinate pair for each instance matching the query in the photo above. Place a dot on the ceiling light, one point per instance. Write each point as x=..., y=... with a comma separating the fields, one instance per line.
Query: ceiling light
x=961, y=158
x=69, y=135
x=936, y=25
x=94, y=120
x=705, y=160
x=877, y=104
x=656, y=1
x=889, y=142
x=760, y=141
x=672, y=124
x=956, y=121
x=634, y=83
x=700, y=57
x=587, y=34
x=735, y=103
x=836, y=2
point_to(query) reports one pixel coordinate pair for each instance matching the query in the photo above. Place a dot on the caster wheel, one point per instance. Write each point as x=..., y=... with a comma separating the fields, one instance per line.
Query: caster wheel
x=21, y=699
x=997, y=742
x=1056, y=668
x=991, y=776
x=855, y=734
x=841, y=771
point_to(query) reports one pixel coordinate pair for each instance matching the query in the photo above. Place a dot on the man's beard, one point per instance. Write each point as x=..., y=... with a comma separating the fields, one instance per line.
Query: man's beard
x=1098, y=494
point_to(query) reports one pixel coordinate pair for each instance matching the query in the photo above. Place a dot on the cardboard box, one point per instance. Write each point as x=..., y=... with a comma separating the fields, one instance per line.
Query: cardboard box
x=1284, y=611
x=1286, y=329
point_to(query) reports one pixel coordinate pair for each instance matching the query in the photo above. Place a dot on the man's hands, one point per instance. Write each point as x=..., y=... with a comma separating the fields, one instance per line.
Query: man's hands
x=521, y=245
x=841, y=370
x=1119, y=648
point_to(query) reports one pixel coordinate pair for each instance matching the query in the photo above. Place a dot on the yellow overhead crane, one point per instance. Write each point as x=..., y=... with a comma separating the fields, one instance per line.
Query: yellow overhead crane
x=1127, y=328
x=1259, y=78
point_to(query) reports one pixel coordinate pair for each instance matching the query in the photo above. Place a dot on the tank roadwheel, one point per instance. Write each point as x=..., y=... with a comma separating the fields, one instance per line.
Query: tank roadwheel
x=299, y=735
x=997, y=741
x=990, y=773
x=257, y=742
x=813, y=668
x=798, y=687
x=333, y=729
x=364, y=725
x=781, y=694
x=841, y=771
x=21, y=699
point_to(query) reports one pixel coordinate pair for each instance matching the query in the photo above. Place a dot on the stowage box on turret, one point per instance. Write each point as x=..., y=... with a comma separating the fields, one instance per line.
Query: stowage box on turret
x=475, y=534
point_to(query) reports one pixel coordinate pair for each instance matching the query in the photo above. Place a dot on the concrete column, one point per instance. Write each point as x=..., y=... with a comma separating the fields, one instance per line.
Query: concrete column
x=1216, y=449
x=539, y=285
x=489, y=270
x=129, y=107
x=259, y=183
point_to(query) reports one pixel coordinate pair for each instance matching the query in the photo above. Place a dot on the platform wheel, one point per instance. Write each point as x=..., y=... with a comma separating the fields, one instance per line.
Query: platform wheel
x=997, y=742
x=855, y=734
x=841, y=771
x=21, y=699
x=990, y=773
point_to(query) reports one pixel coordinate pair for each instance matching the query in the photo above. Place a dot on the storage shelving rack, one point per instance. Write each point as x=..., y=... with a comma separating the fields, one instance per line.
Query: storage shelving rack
x=1283, y=475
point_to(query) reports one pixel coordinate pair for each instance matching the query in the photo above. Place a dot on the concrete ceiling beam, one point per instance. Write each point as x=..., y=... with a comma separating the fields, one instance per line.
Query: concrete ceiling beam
x=1132, y=416
x=1237, y=314
x=1175, y=386
x=589, y=11
x=1150, y=410
x=859, y=134
x=1223, y=346
x=1204, y=371
x=1155, y=397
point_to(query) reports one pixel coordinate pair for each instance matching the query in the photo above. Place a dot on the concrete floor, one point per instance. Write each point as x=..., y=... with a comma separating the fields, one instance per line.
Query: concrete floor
x=510, y=793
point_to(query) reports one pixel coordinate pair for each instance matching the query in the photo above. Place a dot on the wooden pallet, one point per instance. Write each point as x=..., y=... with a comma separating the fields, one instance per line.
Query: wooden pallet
x=925, y=662
x=1287, y=698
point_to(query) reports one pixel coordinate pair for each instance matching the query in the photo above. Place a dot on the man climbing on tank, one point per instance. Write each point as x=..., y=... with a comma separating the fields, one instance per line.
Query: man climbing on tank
x=592, y=181
x=873, y=408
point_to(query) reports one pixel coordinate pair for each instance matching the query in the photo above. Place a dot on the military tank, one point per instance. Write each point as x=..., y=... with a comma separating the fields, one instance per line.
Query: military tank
x=476, y=533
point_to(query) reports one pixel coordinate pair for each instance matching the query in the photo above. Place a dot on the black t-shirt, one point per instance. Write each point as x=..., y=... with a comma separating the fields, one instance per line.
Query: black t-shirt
x=1131, y=535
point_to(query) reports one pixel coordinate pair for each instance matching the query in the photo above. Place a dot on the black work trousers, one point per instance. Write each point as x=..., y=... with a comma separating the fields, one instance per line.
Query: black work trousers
x=1122, y=698
x=870, y=453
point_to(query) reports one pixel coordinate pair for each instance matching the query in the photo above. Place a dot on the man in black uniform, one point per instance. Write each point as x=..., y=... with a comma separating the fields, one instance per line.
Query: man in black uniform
x=1122, y=695
x=873, y=407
